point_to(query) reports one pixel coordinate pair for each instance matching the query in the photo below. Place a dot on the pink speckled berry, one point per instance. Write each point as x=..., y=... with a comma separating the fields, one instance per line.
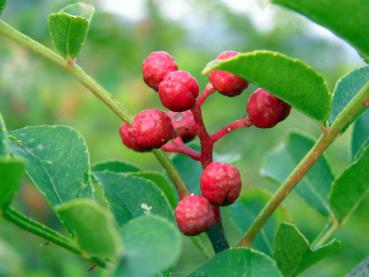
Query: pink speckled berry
x=227, y=83
x=156, y=66
x=150, y=129
x=178, y=91
x=194, y=215
x=265, y=110
x=184, y=125
x=220, y=183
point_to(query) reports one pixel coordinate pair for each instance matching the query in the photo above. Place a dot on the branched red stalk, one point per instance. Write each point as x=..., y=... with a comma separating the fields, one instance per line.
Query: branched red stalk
x=241, y=123
x=178, y=141
x=182, y=149
x=209, y=89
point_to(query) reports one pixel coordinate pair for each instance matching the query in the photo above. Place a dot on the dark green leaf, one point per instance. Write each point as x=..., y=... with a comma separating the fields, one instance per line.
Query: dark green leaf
x=57, y=161
x=334, y=16
x=69, y=27
x=346, y=89
x=2, y=5
x=349, y=188
x=244, y=211
x=115, y=166
x=4, y=141
x=361, y=270
x=293, y=252
x=11, y=174
x=289, y=79
x=130, y=197
x=315, y=187
x=152, y=244
x=238, y=262
x=161, y=182
x=93, y=227
x=360, y=135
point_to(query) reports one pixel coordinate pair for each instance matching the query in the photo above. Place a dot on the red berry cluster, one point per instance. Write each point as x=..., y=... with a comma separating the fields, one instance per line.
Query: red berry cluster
x=220, y=183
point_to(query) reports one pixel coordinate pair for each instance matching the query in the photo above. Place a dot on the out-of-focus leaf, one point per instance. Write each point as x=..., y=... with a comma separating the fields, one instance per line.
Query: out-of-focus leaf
x=238, y=262
x=152, y=244
x=69, y=27
x=10, y=261
x=115, y=166
x=4, y=141
x=11, y=174
x=346, y=89
x=334, y=16
x=361, y=270
x=315, y=187
x=57, y=161
x=129, y=197
x=247, y=207
x=2, y=5
x=360, y=135
x=289, y=79
x=293, y=253
x=349, y=189
x=93, y=227
x=161, y=182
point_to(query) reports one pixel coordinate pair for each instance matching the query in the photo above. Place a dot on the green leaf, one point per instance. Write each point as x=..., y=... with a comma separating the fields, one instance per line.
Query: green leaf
x=350, y=188
x=11, y=175
x=152, y=244
x=361, y=270
x=289, y=79
x=2, y=5
x=161, y=182
x=238, y=262
x=57, y=161
x=315, y=187
x=346, y=89
x=333, y=15
x=360, y=135
x=130, y=197
x=293, y=252
x=4, y=141
x=69, y=27
x=115, y=166
x=244, y=211
x=93, y=227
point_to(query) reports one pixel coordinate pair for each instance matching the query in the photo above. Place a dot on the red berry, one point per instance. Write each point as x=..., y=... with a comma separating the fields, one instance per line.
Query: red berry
x=184, y=125
x=265, y=110
x=156, y=66
x=178, y=91
x=150, y=129
x=227, y=83
x=194, y=215
x=220, y=183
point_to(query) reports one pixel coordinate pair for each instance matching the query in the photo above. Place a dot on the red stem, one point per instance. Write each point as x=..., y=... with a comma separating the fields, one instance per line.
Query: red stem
x=182, y=149
x=209, y=90
x=241, y=123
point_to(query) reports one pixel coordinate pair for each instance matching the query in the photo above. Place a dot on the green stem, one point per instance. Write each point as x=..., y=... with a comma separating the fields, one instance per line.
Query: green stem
x=346, y=116
x=48, y=234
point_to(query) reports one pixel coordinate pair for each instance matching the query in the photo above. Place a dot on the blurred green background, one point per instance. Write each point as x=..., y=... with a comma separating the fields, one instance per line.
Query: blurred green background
x=34, y=92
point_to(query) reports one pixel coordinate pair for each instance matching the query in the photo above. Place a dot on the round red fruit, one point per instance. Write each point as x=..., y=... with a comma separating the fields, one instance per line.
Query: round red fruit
x=156, y=66
x=220, y=183
x=227, y=83
x=184, y=125
x=265, y=110
x=194, y=214
x=127, y=138
x=178, y=91
x=151, y=129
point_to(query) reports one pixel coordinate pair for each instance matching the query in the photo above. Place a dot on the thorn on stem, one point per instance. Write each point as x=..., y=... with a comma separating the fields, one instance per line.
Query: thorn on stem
x=366, y=103
x=91, y=268
x=71, y=63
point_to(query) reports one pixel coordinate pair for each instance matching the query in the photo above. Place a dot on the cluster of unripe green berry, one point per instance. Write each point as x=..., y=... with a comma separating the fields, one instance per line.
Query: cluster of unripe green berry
x=220, y=183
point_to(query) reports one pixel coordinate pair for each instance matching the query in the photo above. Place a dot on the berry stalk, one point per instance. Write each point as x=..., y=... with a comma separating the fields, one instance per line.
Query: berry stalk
x=238, y=124
x=182, y=149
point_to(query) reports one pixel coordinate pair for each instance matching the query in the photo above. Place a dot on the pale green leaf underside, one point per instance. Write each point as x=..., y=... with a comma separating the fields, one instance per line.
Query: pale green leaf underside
x=129, y=197
x=11, y=174
x=293, y=252
x=57, y=161
x=360, y=135
x=315, y=187
x=93, y=227
x=361, y=270
x=152, y=244
x=346, y=89
x=238, y=262
x=4, y=141
x=346, y=18
x=115, y=166
x=350, y=188
x=247, y=207
x=289, y=79
x=69, y=27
